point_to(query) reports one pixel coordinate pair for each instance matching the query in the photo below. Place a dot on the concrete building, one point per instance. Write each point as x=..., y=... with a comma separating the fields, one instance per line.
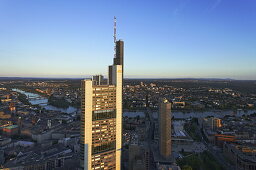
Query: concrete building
x=41, y=158
x=167, y=167
x=212, y=123
x=243, y=157
x=4, y=141
x=10, y=130
x=2, y=159
x=98, y=79
x=101, y=118
x=164, y=119
x=139, y=157
x=118, y=60
x=134, y=151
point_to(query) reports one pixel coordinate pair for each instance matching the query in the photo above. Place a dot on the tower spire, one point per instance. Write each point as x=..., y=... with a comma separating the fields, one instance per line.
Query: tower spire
x=114, y=37
x=114, y=29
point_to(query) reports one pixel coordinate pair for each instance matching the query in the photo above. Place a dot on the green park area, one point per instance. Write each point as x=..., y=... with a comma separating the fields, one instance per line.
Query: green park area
x=192, y=129
x=201, y=161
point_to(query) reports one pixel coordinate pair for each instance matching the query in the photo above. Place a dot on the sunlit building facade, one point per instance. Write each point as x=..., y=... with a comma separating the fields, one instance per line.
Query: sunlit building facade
x=101, y=120
x=165, y=141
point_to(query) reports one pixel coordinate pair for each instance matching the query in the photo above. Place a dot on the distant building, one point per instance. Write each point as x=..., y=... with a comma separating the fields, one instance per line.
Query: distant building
x=180, y=105
x=4, y=141
x=242, y=156
x=167, y=167
x=12, y=107
x=139, y=157
x=165, y=141
x=41, y=159
x=97, y=79
x=220, y=139
x=212, y=123
x=134, y=151
x=210, y=126
x=10, y=130
x=2, y=159
x=3, y=115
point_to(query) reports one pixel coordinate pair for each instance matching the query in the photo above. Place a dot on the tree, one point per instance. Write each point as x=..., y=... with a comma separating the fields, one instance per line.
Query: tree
x=138, y=117
x=186, y=167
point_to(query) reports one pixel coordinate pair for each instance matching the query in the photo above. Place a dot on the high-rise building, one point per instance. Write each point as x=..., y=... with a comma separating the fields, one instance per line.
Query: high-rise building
x=118, y=60
x=165, y=141
x=98, y=79
x=139, y=157
x=101, y=119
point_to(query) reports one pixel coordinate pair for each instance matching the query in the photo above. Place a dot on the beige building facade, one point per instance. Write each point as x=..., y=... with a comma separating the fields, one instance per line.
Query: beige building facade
x=165, y=141
x=101, y=119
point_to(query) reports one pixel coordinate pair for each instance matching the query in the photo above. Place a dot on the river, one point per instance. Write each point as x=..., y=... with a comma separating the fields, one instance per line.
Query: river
x=42, y=101
x=35, y=99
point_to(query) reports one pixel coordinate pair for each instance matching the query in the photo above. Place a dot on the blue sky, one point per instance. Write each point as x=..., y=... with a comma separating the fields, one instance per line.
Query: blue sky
x=163, y=38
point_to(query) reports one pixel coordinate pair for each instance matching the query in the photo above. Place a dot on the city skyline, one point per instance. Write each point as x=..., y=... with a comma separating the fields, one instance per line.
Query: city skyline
x=178, y=39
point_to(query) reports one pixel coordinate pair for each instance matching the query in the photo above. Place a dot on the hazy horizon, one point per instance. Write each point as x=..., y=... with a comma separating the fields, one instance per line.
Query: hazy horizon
x=126, y=77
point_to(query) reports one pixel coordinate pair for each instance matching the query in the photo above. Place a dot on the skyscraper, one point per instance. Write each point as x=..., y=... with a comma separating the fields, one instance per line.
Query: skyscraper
x=165, y=141
x=101, y=119
x=119, y=58
x=97, y=79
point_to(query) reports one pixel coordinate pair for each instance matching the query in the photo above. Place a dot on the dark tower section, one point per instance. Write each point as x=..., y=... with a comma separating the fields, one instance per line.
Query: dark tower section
x=119, y=59
x=110, y=69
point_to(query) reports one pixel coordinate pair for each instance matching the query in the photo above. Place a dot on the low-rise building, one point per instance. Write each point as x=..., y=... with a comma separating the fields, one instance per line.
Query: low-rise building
x=243, y=156
x=10, y=130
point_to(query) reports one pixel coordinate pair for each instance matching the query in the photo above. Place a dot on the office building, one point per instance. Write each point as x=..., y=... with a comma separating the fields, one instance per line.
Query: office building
x=165, y=128
x=98, y=79
x=211, y=123
x=119, y=59
x=101, y=118
x=139, y=157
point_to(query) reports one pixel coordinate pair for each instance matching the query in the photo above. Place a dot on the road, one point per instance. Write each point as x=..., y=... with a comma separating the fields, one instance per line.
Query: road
x=215, y=153
x=150, y=137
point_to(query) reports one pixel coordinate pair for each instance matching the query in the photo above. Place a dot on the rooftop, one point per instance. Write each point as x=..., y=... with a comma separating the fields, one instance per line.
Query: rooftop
x=11, y=127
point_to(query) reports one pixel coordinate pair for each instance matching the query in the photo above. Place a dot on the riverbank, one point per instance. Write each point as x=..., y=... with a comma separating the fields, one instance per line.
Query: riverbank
x=58, y=102
x=23, y=98
x=38, y=100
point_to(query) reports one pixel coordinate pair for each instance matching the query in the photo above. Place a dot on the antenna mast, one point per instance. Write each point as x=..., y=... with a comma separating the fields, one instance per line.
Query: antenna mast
x=114, y=36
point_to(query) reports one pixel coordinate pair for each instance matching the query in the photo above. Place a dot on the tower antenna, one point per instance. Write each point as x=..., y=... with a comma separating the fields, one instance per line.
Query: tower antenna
x=114, y=36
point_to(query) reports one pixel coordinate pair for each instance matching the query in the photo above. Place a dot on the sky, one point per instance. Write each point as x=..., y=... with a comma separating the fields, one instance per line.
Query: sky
x=163, y=38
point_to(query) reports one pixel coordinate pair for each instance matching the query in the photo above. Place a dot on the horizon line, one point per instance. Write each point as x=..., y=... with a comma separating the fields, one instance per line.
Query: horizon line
x=145, y=78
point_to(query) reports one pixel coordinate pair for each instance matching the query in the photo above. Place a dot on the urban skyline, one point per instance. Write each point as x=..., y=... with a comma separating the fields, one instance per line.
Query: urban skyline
x=170, y=98
x=178, y=39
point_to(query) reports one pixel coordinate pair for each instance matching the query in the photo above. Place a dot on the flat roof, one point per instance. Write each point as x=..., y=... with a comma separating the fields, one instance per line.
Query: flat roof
x=11, y=127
